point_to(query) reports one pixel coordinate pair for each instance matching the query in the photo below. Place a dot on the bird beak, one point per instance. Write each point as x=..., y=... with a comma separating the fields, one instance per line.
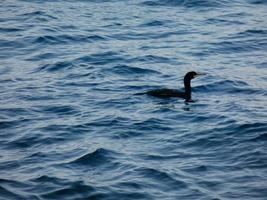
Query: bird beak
x=199, y=74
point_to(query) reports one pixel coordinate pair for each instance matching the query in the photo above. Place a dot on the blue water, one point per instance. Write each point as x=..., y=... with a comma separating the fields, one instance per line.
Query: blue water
x=71, y=128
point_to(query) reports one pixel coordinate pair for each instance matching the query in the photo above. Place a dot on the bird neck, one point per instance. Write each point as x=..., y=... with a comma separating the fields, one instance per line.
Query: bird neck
x=187, y=88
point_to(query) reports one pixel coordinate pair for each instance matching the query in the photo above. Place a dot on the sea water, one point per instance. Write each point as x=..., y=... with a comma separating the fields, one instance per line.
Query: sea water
x=71, y=127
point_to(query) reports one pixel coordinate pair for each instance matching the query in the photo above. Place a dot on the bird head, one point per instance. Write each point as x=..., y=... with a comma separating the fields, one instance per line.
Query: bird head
x=192, y=74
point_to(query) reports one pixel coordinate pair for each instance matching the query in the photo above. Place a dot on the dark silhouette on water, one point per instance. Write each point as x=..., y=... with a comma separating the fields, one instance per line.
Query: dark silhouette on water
x=167, y=93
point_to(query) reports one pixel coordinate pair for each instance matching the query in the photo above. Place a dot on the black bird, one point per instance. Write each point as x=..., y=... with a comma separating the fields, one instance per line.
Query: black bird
x=167, y=93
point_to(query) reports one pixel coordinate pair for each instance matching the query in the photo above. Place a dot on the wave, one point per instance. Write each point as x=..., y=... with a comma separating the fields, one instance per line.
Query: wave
x=64, y=39
x=107, y=57
x=134, y=35
x=60, y=188
x=5, y=124
x=10, y=189
x=187, y=3
x=8, y=44
x=229, y=86
x=151, y=59
x=36, y=13
x=232, y=132
x=260, y=137
x=257, y=2
x=96, y=158
x=42, y=56
x=127, y=70
x=153, y=23
x=256, y=32
x=152, y=123
x=58, y=109
x=157, y=176
x=77, y=190
x=10, y=30
x=8, y=124
x=231, y=46
x=253, y=131
x=96, y=59
x=58, y=66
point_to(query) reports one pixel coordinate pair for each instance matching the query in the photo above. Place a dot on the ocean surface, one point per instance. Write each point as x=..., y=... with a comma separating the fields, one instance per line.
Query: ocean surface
x=71, y=127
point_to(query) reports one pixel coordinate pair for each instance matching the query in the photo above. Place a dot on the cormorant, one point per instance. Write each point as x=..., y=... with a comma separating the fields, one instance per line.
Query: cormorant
x=167, y=93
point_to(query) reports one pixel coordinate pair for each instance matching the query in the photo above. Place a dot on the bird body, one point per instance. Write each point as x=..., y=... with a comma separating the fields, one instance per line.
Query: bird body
x=168, y=93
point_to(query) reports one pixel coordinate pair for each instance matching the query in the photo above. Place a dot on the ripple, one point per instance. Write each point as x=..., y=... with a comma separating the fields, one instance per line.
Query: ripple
x=228, y=47
x=62, y=65
x=153, y=23
x=60, y=110
x=10, y=30
x=5, y=124
x=78, y=190
x=7, y=192
x=103, y=58
x=126, y=70
x=134, y=35
x=229, y=86
x=256, y=32
x=152, y=59
x=260, y=137
x=186, y=3
x=7, y=44
x=257, y=2
x=64, y=39
x=41, y=15
x=159, y=176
